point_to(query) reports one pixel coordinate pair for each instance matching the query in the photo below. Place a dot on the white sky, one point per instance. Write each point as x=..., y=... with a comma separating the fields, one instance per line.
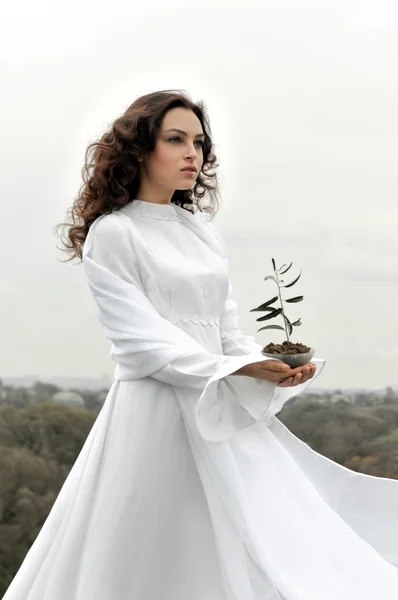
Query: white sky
x=303, y=103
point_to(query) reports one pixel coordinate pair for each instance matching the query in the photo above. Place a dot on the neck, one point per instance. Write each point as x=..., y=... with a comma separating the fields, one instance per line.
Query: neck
x=153, y=201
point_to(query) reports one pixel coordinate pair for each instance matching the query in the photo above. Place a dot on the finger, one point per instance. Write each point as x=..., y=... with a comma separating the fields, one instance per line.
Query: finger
x=306, y=370
x=277, y=378
x=292, y=381
x=305, y=374
x=275, y=365
x=298, y=379
x=299, y=375
x=285, y=382
x=311, y=372
x=308, y=366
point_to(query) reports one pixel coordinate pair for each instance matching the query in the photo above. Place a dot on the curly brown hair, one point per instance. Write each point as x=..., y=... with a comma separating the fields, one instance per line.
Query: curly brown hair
x=111, y=173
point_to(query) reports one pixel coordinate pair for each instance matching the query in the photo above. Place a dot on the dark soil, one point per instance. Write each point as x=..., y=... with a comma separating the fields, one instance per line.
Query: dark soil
x=286, y=348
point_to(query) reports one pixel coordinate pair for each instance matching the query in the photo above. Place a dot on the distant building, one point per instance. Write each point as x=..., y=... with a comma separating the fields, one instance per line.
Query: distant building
x=341, y=398
x=70, y=398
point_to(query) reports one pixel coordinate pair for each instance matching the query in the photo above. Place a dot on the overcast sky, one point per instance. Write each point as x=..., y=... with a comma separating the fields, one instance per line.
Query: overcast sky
x=303, y=103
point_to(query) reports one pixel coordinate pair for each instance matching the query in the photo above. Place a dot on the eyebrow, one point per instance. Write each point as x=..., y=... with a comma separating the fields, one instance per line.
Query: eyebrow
x=184, y=132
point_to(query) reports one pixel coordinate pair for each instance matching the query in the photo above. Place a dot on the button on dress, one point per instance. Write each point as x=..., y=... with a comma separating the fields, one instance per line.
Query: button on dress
x=188, y=486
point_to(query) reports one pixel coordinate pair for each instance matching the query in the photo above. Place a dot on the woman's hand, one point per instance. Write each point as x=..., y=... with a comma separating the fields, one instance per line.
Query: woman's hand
x=302, y=374
x=278, y=372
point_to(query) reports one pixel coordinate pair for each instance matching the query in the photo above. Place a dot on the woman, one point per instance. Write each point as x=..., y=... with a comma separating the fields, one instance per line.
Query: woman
x=188, y=486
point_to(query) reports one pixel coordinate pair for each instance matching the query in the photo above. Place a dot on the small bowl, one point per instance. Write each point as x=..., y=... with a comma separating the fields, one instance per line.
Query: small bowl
x=293, y=360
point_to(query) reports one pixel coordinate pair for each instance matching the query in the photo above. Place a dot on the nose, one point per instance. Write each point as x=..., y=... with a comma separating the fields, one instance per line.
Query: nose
x=191, y=151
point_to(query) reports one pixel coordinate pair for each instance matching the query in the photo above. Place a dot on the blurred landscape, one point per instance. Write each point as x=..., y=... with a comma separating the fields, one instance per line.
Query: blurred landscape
x=43, y=427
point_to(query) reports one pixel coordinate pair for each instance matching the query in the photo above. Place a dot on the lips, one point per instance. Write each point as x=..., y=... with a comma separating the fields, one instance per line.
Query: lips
x=190, y=169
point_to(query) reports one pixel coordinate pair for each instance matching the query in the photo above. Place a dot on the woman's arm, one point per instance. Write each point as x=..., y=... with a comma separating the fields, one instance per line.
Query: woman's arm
x=143, y=343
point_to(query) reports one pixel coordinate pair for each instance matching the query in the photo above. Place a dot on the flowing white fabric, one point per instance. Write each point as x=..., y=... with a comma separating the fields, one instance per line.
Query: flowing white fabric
x=188, y=485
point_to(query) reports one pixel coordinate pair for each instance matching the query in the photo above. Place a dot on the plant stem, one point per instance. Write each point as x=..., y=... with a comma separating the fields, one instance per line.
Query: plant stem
x=283, y=310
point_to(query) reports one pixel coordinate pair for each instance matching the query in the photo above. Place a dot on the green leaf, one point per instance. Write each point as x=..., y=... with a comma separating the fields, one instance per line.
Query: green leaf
x=297, y=323
x=271, y=315
x=263, y=306
x=293, y=282
x=270, y=277
x=271, y=327
x=288, y=324
x=295, y=299
x=273, y=264
x=286, y=270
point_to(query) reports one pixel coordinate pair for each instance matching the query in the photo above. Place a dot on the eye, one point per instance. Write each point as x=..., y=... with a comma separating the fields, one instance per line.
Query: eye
x=200, y=142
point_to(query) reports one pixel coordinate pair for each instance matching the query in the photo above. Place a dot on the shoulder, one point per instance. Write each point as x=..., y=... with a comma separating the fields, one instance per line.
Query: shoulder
x=109, y=243
x=109, y=225
x=114, y=228
x=111, y=231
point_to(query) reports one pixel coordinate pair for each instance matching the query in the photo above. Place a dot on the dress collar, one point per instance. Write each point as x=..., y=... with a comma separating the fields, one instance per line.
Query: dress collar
x=151, y=210
x=172, y=212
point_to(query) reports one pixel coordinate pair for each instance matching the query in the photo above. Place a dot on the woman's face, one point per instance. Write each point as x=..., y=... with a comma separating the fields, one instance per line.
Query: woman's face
x=179, y=145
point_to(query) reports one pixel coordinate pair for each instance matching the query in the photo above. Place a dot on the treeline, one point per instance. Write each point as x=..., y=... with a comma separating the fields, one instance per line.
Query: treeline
x=38, y=446
x=40, y=443
x=362, y=438
x=40, y=391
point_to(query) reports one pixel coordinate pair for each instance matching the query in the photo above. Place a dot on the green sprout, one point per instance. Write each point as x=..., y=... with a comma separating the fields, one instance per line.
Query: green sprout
x=274, y=311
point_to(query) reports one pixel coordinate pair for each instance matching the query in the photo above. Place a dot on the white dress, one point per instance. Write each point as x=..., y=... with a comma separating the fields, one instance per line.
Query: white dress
x=188, y=486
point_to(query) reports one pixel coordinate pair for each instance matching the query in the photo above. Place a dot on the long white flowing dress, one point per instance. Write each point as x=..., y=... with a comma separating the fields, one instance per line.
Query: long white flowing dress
x=188, y=486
